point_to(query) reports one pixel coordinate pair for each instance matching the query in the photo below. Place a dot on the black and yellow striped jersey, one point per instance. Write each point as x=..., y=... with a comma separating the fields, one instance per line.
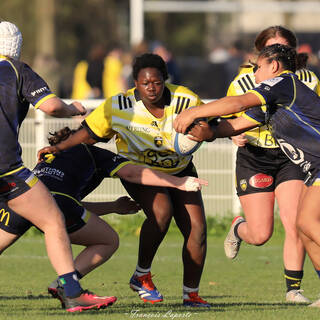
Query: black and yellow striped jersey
x=245, y=81
x=140, y=136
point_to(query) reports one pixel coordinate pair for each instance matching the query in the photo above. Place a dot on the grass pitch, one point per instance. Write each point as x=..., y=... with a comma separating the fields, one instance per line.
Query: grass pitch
x=250, y=287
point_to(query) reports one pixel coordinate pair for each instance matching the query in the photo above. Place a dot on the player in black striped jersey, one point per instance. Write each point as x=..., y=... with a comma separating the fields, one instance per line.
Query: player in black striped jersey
x=142, y=120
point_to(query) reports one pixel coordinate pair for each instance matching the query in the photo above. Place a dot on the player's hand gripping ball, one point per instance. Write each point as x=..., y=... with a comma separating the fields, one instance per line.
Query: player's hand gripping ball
x=185, y=146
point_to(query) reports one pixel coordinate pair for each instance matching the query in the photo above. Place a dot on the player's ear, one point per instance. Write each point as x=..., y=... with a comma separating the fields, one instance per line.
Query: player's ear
x=275, y=66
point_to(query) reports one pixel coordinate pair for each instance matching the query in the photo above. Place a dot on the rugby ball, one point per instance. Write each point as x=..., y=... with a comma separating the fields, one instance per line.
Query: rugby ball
x=185, y=146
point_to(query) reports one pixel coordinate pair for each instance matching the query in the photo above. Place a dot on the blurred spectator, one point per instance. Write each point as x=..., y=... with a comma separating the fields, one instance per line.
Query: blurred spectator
x=236, y=58
x=95, y=71
x=219, y=54
x=113, y=81
x=313, y=61
x=173, y=69
x=87, y=75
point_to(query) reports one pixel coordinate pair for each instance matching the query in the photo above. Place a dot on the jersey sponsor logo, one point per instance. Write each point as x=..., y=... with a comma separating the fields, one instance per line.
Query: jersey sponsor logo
x=47, y=171
x=261, y=181
x=243, y=184
x=138, y=129
x=8, y=187
x=117, y=158
x=272, y=82
x=294, y=154
x=124, y=103
x=39, y=91
x=4, y=215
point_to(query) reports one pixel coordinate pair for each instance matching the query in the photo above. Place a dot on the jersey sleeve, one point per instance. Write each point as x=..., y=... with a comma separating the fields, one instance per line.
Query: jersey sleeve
x=33, y=88
x=107, y=162
x=99, y=121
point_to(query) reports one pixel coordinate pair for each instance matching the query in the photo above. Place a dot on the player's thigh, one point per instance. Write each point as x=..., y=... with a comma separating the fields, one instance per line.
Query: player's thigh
x=189, y=212
x=154, y=201
x=288, y=195
x=7, y=239
x=309, y=210
x=95, y=231
x=258, y=210
x=37, y=205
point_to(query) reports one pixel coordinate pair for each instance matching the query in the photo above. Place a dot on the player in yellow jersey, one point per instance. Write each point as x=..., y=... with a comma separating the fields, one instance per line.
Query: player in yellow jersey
x=263, y=174
x=142, y=122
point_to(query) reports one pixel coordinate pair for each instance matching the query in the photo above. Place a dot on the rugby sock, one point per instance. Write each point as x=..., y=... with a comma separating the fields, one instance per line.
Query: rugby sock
x=318, y=272
x=236, y=230
x=293, y=279
x=141, y=271
x=70, y=284
x=187, y=290
x=79, y=275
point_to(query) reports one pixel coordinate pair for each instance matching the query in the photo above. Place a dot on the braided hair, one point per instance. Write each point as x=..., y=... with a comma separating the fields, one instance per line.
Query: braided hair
x=60, y=135
x=288, y=56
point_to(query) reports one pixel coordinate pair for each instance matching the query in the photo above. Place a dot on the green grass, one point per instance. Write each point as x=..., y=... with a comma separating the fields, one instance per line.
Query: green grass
x=251, y=287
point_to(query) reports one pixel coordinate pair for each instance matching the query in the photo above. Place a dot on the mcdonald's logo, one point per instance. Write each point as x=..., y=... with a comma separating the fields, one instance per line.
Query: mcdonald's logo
x=4, y=215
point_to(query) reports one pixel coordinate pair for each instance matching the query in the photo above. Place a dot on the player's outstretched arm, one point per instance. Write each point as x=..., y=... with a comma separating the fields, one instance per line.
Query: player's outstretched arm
x=123, y=205
x=55, y=107
x=81, y=136
x=142, y=175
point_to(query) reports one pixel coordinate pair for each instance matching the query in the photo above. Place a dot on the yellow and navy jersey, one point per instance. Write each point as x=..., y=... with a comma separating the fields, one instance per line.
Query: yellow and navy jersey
x=140, y=136
x=19, y=86
x=245, y=81
x=79, y=170
x=293, y=117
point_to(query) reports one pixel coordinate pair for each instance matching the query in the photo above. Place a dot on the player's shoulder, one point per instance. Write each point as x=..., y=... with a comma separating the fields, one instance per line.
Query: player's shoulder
x=179, y=90
x=306, y=75
x=243, y=81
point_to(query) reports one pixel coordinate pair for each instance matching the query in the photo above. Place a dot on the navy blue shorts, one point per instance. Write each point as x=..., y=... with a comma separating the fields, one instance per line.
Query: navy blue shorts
x=15, y=183
x=76, y=216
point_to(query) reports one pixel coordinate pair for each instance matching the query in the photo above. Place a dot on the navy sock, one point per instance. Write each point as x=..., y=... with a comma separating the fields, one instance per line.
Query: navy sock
x=318, y=272
x=70, y=284
x=79, y=275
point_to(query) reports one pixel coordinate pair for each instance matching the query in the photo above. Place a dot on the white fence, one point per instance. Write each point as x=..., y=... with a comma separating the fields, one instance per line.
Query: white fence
x=214, y=161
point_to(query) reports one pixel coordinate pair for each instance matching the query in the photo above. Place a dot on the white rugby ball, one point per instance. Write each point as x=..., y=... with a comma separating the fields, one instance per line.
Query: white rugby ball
x=185, y=146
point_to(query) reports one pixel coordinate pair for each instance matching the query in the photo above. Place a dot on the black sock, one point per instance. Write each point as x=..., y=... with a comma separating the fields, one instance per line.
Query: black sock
x=293, y=279
x=236, y=230
x=79, y=275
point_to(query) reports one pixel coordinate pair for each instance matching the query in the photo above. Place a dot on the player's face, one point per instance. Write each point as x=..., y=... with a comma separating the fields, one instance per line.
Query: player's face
x=276, y=40
x=264, y=69
x=150, y=85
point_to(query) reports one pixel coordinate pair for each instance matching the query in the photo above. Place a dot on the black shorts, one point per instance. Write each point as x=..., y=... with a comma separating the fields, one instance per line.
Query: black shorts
x=189, y=170
x=75, y=215
x=15, y=183
x=263, y=169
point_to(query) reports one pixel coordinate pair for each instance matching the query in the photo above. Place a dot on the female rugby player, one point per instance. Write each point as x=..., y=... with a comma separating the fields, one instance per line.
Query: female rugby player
x=72, y=175
x=264, y=174
x=20, y=86
x=292, y=114
x=142, y=121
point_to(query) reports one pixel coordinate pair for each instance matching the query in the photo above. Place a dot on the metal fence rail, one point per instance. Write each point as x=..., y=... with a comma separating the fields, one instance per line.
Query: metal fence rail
x=214, y=161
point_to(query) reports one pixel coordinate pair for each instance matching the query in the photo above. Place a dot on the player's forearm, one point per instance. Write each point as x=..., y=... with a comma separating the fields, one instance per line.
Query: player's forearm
x=101, y=208
x=142, y=175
